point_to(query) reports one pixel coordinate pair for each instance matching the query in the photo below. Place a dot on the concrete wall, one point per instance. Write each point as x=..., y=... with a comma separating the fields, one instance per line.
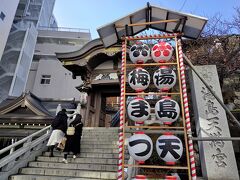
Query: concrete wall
x=49, y=49
x=8, y=8
x=61, y=86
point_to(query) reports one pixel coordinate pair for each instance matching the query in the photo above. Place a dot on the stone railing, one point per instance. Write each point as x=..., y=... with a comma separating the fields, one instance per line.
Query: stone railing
x=21, y=152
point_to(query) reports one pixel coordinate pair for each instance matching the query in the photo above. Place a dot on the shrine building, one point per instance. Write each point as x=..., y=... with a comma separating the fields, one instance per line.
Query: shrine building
x=99, y=61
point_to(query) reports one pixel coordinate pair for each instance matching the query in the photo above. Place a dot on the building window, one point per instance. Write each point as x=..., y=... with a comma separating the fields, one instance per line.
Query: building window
x=2, y=16
x=45, y=79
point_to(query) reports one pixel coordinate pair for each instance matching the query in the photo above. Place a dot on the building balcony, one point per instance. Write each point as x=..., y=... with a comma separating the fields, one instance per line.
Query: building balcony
x=65, y=29
x=56, y=32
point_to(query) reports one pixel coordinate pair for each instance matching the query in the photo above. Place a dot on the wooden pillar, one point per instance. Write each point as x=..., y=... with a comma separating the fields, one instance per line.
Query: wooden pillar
x=98, y=100
x=83, y=113
x=86, y=115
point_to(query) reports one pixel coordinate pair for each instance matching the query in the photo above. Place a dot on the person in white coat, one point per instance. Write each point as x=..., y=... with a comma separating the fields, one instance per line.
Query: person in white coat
x=59, y=126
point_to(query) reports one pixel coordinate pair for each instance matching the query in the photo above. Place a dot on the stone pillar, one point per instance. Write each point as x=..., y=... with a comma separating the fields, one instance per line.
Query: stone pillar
x=217, y=157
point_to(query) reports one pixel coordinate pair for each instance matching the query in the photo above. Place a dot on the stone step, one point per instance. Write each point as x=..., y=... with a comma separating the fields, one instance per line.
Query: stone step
x=102, y=146
x=103, y=135
x=98, y=142
x=99, y=129
x=79, y=160
x=92, y=138
x=69, y=173
x=100, y=137
x=39, y=177
x=98, y=160
x=88, y=155
x=107, y=128
x=76, y=166
x=92, y=141
x=100, y=132
x=99, y=150
x=103, y=132
x=112, y=137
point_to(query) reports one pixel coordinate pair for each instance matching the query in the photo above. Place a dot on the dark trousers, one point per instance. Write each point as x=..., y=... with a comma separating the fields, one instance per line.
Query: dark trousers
x=51, y=150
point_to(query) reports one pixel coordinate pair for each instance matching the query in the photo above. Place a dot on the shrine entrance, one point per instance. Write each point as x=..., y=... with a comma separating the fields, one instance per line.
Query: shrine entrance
x=102, y=106
x=109, y=109
x=99, y=69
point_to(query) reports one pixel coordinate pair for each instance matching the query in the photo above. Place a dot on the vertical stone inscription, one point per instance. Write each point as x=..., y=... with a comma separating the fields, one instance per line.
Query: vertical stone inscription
x=217, y=157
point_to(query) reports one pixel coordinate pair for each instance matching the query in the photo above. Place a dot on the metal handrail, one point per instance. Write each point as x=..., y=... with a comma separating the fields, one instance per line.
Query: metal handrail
x=23, y=140
x=15, y=157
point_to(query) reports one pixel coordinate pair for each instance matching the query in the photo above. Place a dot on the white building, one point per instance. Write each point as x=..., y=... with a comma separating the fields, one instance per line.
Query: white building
x=28, y=61
x=47, y=77
x=7, y=13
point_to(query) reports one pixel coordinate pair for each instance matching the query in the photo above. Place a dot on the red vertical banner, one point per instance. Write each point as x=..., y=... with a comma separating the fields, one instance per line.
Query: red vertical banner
x=186, y=110
x=122, y=114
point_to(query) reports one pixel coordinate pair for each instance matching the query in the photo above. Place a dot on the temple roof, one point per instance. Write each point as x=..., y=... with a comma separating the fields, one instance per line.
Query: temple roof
x=83, y=52
x=19, y=133
x=89, y=57
x=110, y=35
x=32, y=103
x=88, y=51
x=29, y=109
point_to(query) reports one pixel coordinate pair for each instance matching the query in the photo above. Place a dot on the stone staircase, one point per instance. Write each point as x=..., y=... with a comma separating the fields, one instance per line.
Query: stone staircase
x=98, y=160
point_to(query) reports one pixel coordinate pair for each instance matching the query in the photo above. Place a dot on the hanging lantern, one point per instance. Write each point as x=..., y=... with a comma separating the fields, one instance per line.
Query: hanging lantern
x=169, y=148
x=164, y=78
x=138, y=110
x=139, y=53
x=167, y=110
x=162, y=52
x=140, y=147
x=139, y=79
x=140, y=177
x=170, y=178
